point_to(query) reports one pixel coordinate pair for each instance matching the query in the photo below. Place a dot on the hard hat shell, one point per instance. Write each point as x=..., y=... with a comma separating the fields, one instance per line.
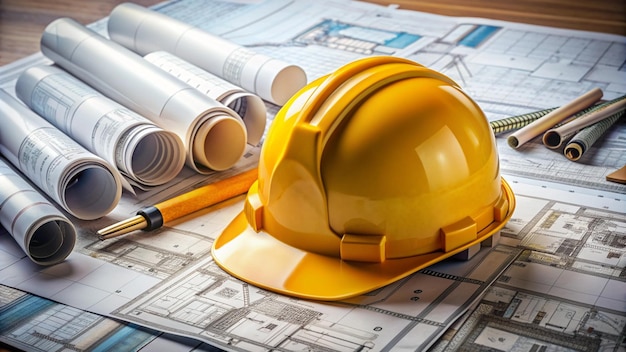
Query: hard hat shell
x=367, y=175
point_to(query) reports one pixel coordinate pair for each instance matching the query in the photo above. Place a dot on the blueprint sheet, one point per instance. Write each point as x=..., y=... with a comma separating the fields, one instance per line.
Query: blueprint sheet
x=556, y=280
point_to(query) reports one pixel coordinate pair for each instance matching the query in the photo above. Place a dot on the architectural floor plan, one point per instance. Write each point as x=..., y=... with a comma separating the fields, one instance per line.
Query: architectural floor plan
x=556, y=281
x=565, y=292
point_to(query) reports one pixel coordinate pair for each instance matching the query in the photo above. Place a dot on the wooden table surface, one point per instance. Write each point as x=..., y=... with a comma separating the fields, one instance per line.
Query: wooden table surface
x=22, y=21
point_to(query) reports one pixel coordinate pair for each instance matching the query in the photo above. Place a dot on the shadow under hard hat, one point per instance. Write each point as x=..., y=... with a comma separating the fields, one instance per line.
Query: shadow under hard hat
x=367, y=175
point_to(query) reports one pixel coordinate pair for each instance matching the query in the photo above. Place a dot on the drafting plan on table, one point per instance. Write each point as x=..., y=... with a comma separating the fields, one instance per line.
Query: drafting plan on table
x=558, y=272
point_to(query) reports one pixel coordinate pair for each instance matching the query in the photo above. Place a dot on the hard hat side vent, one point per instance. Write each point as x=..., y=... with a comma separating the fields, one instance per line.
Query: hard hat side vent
x=253, y=208
x=458, y=234
x=501, y=209
x=363, y=248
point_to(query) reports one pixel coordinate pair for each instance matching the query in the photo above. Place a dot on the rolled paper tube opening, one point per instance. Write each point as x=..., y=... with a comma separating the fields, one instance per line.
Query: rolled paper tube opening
x=512, y=141
x=46, y=240
x=52, y=242
x=573, y=151
x=254, y=114
x=158, y=157
x=220, y=142
x=92, y=192
x=285, y=80
x=552, y=139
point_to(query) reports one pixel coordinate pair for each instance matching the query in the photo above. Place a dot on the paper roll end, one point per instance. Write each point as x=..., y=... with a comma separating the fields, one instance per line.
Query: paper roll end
x=513, y=142
x=278, y=81
x=573, y=151
x=51, y=242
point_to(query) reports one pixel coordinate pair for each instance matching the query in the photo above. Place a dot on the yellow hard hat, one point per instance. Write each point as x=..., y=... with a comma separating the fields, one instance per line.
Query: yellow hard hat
x=367, y=175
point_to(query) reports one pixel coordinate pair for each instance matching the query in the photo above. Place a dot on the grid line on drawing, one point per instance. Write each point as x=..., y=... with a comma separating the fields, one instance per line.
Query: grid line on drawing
x=615, y=56
x=553, y=47
x=235, y=63
x=499, y=327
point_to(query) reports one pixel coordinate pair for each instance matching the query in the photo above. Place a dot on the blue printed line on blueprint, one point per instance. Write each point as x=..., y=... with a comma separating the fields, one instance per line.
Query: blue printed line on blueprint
x=130, y=337
x=477, y=36
x=24, y=308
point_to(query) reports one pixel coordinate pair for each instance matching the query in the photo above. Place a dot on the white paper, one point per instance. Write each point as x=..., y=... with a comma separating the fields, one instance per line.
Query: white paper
x=142, y=151
x=145, y=31
x=214, y=135
x=195, y=297
x=40, y=229
x=248, y=106
x=83, y=184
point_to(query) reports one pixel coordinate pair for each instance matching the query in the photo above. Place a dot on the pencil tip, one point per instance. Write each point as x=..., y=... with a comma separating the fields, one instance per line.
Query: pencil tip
x=137, y=222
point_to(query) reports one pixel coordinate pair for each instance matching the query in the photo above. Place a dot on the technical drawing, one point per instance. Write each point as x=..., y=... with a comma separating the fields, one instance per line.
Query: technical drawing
x=206, y=303
x=354, y=38
x=579, y=239
x=161, y=253
x=442, y=53
x=49, y=327
x=515, y=320
x=506, y=335
x=565, y=291
x=568, y=275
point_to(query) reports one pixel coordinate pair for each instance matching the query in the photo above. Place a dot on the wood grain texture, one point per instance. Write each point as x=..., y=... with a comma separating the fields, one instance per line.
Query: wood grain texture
x=22, y=21
x=607, y=16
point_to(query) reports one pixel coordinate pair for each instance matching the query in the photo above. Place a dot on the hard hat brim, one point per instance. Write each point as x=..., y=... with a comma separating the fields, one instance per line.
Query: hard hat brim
x=262, y=260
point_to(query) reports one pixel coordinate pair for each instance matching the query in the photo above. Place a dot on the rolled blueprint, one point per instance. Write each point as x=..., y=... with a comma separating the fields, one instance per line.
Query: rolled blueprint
x=554, y=137
x=41, y=230
x=248, y=106
x=214, y=135
x=583, y=140
x=144, y=31
x=518, y=121
x=142, y=151
x=539, y=126
x=83, y=184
